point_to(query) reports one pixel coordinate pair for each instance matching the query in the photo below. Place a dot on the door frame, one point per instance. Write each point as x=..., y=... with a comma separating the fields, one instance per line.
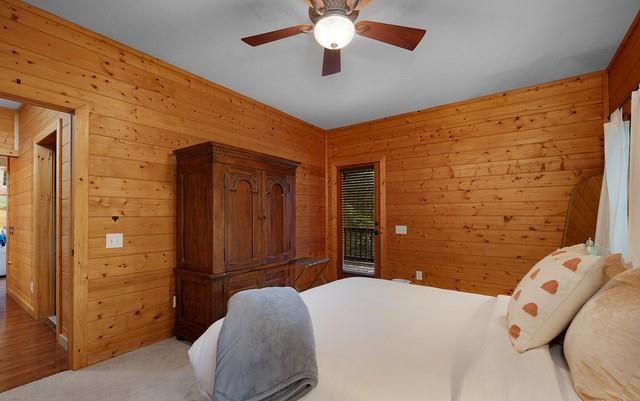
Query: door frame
x=55, y=128
x=334, y=210
x=80, y=111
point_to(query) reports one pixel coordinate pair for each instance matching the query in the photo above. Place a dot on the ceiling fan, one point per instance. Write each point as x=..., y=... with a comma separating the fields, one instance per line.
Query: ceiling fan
x=333, y=26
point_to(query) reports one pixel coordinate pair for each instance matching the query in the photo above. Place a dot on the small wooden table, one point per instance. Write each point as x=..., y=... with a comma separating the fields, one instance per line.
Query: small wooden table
x=308, y=263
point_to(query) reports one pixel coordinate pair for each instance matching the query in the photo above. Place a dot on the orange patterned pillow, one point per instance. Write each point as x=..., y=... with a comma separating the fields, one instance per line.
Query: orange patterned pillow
x=550, y=295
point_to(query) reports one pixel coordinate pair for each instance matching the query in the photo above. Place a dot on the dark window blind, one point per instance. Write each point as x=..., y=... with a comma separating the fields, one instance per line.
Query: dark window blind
x=358, y=219
x=358, y=198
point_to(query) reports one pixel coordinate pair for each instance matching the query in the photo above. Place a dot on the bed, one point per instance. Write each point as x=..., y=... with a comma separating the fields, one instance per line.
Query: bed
x=383, y=340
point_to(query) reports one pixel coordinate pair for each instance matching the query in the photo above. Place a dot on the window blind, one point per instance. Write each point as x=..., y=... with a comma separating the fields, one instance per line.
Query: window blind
x=358, y=220
x=358, y=198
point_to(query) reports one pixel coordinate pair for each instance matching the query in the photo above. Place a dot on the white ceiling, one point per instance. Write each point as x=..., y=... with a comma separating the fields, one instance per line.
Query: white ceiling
x=8, y=104
x=472, y=48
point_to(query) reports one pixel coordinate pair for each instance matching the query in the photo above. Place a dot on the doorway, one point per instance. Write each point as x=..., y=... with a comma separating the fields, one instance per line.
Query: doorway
x=35, y=297
x=359, y=221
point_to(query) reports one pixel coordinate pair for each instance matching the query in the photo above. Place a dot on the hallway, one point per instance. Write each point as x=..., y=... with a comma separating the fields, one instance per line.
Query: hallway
x=28, y=348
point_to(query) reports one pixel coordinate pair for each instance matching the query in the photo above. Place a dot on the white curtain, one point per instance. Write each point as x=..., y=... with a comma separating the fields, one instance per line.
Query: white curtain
x=634, y=182
x=612, y=226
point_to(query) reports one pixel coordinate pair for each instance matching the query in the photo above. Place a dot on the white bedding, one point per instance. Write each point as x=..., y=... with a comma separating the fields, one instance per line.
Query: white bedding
x=381, y=340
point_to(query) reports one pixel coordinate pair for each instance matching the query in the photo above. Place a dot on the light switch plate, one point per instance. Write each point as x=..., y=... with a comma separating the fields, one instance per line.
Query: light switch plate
x=115, y=240
x=419, y=275
x=401, y=230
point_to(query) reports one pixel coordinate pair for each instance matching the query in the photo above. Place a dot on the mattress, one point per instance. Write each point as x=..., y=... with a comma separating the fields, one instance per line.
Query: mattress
x=382, y=340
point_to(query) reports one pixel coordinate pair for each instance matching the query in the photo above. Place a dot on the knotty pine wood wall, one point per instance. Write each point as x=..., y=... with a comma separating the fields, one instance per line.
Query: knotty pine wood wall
x=21, y=272
x=483, y=185
x=7, y=123
x=141, y=110
x=624, y=69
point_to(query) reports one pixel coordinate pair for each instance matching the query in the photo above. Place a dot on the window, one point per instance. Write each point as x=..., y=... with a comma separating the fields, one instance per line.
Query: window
x=359, y=222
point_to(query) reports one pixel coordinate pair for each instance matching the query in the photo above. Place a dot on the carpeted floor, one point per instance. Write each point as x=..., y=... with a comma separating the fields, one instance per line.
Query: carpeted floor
x=159, y=372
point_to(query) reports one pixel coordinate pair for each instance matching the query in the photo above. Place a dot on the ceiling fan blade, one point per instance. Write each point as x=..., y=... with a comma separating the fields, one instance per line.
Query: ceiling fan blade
x=396, y=35
x=263, y=38
x=331, y=62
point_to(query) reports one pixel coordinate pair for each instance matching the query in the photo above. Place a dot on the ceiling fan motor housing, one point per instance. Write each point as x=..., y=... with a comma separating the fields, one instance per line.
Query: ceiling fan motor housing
x=332, y=7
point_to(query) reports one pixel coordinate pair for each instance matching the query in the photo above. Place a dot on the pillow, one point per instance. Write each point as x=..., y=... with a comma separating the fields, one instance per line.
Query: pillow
x=614, y=265
x=551, y=293
x=602, y=345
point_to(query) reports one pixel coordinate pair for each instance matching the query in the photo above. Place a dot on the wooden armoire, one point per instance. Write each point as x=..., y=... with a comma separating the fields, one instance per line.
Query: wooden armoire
x=236, y=229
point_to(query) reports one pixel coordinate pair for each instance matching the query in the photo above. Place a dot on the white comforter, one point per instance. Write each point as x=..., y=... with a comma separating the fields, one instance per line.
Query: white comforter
x=381, y=340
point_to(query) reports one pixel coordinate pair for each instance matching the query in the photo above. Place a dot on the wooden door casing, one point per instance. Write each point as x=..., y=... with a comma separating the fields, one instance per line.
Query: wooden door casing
x=242, y=219
x=276, y=206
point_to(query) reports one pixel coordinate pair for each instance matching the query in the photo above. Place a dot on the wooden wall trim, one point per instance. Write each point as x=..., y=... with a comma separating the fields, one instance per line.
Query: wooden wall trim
x=16, y=131
x=605, y=96
x=624, y=68
x=8, y=129
x=80, y=213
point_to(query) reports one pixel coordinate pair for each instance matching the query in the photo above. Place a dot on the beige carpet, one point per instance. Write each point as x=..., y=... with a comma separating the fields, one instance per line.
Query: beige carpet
x=159, y=372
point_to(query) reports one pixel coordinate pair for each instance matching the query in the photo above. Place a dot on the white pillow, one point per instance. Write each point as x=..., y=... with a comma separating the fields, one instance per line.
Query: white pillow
x=550, y=295
x=202, y=355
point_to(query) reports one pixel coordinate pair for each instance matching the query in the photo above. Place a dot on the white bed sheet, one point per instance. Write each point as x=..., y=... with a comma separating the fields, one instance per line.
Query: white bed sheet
x=381, y=340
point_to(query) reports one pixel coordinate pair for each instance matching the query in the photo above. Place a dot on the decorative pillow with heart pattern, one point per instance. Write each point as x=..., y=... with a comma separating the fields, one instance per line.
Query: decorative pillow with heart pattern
x=549, y=296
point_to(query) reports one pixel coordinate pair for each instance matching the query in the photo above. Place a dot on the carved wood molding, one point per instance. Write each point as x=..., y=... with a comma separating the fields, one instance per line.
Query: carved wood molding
x=231, y=181
x=284, y=184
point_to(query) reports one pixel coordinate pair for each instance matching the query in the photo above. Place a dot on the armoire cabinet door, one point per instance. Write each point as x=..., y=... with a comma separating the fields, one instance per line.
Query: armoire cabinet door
x=242, y=218
x=195, y=211
x=277, y=210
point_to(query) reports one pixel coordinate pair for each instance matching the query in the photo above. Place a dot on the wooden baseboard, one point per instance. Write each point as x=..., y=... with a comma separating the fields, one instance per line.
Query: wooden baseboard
x=22, y=302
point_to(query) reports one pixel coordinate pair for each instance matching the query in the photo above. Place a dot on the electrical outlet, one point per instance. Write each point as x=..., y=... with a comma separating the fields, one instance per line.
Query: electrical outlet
x=401, y=230
x=115, y=240
x=173, y=301
x=419, y=275
x=31, y=286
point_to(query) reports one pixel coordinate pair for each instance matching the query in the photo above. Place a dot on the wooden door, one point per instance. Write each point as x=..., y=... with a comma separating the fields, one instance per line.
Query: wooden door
x=277, y=211
x=242, y=218
x=44, y=226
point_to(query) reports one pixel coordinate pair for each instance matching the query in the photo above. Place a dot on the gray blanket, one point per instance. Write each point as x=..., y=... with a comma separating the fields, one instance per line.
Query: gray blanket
x=266, y=350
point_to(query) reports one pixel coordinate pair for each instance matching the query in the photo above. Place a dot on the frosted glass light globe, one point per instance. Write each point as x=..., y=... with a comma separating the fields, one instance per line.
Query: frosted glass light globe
x=334, y=31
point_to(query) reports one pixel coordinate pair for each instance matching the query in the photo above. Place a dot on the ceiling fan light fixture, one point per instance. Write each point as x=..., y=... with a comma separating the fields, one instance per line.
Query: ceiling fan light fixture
x=334, y=31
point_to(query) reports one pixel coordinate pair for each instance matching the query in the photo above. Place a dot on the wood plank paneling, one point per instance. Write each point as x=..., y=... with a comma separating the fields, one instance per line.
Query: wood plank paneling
x=141, y=109
x=582, y=217
x=483, y=185
x=624, y=69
